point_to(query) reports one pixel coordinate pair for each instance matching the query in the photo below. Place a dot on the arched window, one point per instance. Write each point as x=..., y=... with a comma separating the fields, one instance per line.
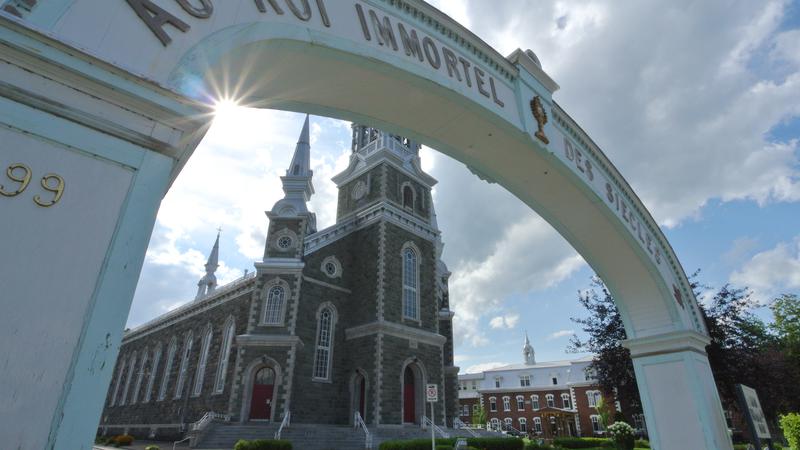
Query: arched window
x=523, y=424
x=537, y=425
x=597, y=427
x=184, y=368
x=326, y=321
x=594, y=397
x=408, y=197
x=535, y=402
x=508, y=422
x=152, y=378
x=173, y=348
x=120, y=375
x=131, y=369
x=492, y=404
x=565, y=402
x=506, y=403
x=228, y=334
x=202, y=362
x=495, y=423
x=551, y=400
x=520, y=403
x=139, y=377
x=273, y=309
x=410, y=284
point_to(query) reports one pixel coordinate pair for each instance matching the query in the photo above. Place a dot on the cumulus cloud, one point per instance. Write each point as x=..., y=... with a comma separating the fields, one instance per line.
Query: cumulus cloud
x=560, y=334
x=504, y=322
x=685, y=123
x=771, y=272
x=478, y=368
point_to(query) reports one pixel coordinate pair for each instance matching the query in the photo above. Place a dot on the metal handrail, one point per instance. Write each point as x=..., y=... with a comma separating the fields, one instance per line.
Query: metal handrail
x=358, y=421
x=178, y=442
x=284, y=423
x=428, y=422
x=460, y=425
x=207, y=418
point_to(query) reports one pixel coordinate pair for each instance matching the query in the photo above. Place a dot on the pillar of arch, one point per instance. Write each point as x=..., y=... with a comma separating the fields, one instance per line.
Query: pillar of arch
x=114, y=97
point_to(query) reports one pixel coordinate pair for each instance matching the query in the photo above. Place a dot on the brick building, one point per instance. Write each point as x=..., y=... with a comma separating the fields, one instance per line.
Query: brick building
x=352, y=318
x=545, y=399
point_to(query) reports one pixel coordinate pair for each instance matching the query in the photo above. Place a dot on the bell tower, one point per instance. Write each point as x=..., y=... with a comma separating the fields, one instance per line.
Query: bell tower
x=384, y=167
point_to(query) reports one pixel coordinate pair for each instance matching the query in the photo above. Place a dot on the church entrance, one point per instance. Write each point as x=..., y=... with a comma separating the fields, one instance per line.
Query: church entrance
x=359, y=395
x=409, y=406
x=263, y=388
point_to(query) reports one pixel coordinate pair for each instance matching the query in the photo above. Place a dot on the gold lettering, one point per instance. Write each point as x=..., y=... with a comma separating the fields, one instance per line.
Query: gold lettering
x=57, y=190
x=23, y=180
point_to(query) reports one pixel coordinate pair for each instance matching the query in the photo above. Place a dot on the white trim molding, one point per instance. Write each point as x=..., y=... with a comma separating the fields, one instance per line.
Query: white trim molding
x=673, y=342
x=395, y=330
x=268, y=340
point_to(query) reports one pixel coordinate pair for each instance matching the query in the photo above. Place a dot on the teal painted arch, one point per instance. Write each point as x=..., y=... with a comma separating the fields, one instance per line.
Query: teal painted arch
x=270, y=61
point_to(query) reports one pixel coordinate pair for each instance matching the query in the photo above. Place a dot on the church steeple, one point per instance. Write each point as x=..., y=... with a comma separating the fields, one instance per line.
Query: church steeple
x=297, y=185
x=527, y=352
x=208, y=283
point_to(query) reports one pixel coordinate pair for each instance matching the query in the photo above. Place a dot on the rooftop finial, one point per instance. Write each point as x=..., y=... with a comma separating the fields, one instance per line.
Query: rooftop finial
x=527, y=351
x=208, y=283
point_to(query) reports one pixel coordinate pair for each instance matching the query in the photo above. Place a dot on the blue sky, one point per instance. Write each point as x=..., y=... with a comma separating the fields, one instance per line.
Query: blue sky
x=697, y=103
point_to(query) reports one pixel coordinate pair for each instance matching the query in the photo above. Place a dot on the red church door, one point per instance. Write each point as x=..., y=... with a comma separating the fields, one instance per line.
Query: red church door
x=361, y=393
x=409, y=406
x=263, y=387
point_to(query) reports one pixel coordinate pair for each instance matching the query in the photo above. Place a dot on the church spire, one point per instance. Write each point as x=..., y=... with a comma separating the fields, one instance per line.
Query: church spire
x=297, y=185
x=301, y=161
x=208, y=283
x=527, y=352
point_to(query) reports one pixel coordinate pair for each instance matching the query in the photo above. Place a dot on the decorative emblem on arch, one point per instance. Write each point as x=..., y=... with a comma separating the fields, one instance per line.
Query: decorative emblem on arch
x=678, y=296
x=540, y=114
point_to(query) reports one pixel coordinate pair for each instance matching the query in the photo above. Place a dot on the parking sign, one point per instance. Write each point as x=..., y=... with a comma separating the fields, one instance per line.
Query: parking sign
x=432, y=392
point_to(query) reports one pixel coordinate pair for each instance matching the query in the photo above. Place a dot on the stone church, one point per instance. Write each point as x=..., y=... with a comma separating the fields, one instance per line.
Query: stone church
x=351, y=319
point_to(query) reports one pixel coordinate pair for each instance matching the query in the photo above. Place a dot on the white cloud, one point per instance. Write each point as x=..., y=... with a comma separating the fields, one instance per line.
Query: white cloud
x=478, y=368
x=684, y=123
x=772, y=272
x=560, y=334
x=504, y=322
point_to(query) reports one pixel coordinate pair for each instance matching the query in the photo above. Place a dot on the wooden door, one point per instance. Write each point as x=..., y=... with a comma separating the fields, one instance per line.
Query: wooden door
x=263, y=388
x=409, y=406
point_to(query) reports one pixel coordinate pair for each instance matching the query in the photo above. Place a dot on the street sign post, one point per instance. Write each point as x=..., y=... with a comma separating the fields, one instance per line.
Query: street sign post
x=432, y=394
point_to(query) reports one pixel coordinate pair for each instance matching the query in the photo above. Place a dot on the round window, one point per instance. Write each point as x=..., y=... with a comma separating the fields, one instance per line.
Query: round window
x=285, y=242
x=330, y=268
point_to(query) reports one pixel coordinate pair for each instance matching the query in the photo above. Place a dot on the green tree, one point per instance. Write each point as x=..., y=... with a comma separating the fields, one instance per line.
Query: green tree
x=479, y=417
x=786, y=310
x=605, y=332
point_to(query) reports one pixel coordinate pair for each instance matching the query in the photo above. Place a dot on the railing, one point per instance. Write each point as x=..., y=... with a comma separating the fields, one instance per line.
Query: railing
x=359, y=422
x=426, y=422
x=287, y=420
x=506, y=427
x=207, y=418
x=178, y=442
x=459, y=425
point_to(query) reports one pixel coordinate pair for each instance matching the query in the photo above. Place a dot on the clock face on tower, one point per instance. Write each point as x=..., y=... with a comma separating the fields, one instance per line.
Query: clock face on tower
x=359, y=190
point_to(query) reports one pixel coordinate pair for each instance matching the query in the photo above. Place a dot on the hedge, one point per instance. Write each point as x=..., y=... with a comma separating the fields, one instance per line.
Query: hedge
x=482, y=443
x=263, y=444
x=583, y=442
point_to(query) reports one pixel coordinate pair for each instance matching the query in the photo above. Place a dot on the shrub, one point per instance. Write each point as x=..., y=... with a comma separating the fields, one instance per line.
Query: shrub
x=790, y=424
x=123, y=439
x=263, y=444
x=152, y=447
x=583, y=442
x=444, y=447
x=641, y=443
x=622, y=435
x=481, y=443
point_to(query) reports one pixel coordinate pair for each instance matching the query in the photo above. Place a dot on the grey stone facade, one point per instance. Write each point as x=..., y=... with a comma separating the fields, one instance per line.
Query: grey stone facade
x=352, y=274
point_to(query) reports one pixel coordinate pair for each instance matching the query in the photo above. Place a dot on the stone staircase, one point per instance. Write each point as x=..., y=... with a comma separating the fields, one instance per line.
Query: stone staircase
x=313, y=437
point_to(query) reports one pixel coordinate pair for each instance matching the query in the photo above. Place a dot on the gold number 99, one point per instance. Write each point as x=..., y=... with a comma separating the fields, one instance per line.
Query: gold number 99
x=57, y=190
x=23, y=180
